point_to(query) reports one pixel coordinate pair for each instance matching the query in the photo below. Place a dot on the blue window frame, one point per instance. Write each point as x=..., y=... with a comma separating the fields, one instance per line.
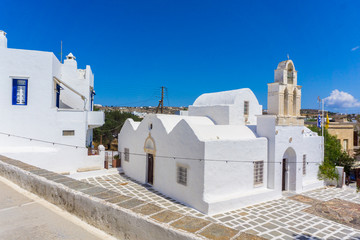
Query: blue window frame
x=20, y=92
x=58, y=89
x=92, y=94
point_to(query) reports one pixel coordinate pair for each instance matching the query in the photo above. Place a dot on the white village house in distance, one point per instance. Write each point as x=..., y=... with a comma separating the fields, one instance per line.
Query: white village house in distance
x=225, y=154
x=43, y=99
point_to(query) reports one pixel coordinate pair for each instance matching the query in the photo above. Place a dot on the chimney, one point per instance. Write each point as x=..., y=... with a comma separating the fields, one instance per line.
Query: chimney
x=3, y=39
x=70, y=60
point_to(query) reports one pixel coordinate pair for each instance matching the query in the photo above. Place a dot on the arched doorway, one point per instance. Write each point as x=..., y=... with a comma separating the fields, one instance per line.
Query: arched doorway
x=289, y=170
x=150, y=150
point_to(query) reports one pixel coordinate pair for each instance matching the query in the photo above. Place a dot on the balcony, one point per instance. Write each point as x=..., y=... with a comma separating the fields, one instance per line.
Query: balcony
x=95, y=119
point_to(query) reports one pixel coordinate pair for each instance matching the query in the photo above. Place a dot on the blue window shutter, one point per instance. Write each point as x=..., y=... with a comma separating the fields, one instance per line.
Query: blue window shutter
x=26, y=91
x=58, y=88
x=14, y=92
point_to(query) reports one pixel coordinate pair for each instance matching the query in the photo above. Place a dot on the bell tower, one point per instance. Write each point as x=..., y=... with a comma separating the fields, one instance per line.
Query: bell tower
x=284, y=95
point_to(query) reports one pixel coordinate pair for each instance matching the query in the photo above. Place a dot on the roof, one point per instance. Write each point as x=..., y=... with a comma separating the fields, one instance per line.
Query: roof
x=203, y=128
x=222, y=98
x=170, y=121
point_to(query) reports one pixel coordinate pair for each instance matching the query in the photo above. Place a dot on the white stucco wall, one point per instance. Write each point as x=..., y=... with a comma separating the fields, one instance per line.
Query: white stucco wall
x=213, y=186
x=40, y=119
x=282, y=138
x=227, y=108
x=180, y=143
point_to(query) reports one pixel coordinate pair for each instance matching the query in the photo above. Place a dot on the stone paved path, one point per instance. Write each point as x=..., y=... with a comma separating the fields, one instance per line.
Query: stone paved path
x=284, y=218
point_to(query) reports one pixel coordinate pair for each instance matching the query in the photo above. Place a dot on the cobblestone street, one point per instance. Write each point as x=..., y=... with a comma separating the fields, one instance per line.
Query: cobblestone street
x=285, y=218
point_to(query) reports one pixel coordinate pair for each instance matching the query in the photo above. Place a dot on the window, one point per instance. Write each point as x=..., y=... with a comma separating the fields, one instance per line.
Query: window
x=246, y=108
x=57, y=92
x=258, y=172
x=92, y=94
x=345, y=144
x=127, y=154
x=182, y=175
x=304, y=164
x=20, y=91
x=68, y=132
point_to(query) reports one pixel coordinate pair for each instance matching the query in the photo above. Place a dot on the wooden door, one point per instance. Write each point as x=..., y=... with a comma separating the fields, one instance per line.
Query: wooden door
x=150, y=164
x=284, y=174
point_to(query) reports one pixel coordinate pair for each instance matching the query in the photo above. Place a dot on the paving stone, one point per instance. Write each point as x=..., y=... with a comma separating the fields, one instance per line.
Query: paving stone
x=131, y=203
x=260, y=229
x=39, y=171
x=340, y=235
x=275, y=233
x=106, y=195
x=239, y=227
x=266, y=236
x=218, y=232
x=76, y=185
x=53, y=177
x=190, y=224
x=269, y=226
x=282, y=213
x=93, y=190
x=226, y=219
x=243, y=213
x=247, y=236
x=311, y=230
x=286, y=231
x=147, y=209
x=119, y=198
x=320, y=235
x=63, y=179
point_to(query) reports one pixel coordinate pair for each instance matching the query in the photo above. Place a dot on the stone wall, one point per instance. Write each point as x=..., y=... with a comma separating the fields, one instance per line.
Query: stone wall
x=116, y=214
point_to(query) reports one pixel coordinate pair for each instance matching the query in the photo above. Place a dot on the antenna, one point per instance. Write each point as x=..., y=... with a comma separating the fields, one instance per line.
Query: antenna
x=61, y=54
x=288, y=56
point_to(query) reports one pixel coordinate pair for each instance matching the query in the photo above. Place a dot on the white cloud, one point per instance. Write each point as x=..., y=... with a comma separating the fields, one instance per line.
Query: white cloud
x=355, y=48
x=340, y=99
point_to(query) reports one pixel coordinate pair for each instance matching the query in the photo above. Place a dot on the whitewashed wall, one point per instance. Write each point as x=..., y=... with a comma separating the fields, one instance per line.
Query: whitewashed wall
x=40, y=119
x=281, y=138
x=227, y=108
x=180, y=142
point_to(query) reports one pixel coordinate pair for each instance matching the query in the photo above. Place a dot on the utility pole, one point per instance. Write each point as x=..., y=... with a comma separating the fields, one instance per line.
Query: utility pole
x=161, y=102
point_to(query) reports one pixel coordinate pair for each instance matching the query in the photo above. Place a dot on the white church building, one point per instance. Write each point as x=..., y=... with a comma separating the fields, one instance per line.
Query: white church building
x=46, y=110
x=225, y=154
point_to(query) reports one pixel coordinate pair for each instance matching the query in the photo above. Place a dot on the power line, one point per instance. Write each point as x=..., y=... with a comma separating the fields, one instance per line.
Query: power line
x=209, y=160
x=144, y=155
x=43, y=141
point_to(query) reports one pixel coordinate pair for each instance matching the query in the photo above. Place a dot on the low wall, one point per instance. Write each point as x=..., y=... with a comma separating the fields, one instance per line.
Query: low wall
x=121, y=216
x=78, y=198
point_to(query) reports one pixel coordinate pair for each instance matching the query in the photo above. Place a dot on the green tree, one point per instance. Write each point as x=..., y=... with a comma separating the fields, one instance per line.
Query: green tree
x=114, y=120
x=333, y=156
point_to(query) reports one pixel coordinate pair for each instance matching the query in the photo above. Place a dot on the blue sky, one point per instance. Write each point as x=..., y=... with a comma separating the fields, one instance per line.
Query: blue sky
x=192, y=47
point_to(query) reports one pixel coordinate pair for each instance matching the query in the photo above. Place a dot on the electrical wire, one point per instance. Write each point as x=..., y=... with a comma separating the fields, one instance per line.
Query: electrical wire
x=209, y=160
x=43, y=141
x=144, y=155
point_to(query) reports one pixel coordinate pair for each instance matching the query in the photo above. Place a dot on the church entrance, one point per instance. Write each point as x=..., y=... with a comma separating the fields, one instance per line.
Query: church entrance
x=288, y=181
x=284, y=170
x=150, y=168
